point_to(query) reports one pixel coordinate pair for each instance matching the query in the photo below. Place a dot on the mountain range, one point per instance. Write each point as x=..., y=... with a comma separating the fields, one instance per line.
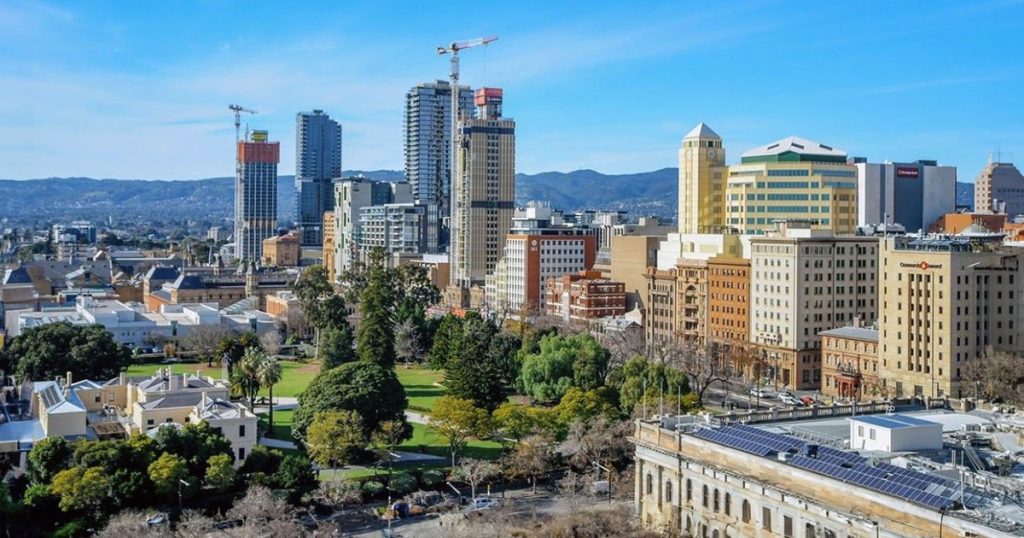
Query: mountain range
x=210, y=200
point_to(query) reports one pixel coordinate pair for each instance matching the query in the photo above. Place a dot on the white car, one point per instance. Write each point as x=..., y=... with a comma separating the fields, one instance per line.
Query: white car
x=482, y=503
x=789, y=399
x=758, y=393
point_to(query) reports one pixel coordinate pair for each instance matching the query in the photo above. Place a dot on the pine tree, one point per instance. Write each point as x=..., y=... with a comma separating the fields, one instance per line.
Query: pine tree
x=376, y=337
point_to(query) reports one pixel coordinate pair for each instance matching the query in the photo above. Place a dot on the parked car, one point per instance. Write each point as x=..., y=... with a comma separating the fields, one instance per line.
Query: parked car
x=482, y=503
x=790, y=400
x=758, y=393
x=807, y=400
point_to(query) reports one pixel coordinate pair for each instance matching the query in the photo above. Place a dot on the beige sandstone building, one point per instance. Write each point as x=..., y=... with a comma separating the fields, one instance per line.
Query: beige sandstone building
x=945, y=300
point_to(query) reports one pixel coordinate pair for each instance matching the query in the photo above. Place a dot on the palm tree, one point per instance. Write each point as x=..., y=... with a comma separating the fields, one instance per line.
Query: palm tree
x=245, y=379
x=268, y=374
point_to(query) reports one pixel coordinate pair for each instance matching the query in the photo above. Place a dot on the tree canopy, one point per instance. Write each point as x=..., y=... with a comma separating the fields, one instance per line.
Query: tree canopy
x=482, y=365
x=562, y=362
x=51, y=350
x=367, y=388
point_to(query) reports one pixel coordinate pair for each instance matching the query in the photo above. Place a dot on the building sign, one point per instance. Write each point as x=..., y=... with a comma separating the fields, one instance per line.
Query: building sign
x=907, y=171
x=924, y=266
x=259, y=136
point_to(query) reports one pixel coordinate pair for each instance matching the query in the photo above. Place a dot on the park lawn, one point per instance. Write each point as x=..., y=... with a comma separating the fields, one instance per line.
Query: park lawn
x=426, y=440
x=420, y=386
x=295, y=377
x=358, y=473
x=139, y=370
x=282, y=424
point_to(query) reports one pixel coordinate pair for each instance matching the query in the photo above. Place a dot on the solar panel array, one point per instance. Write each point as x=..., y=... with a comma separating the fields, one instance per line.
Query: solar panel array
x=925, y=489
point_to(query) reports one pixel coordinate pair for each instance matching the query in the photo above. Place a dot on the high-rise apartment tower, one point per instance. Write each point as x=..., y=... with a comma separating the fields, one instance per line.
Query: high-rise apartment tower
x=428, y=118
x=255, y=195
x=317, y=164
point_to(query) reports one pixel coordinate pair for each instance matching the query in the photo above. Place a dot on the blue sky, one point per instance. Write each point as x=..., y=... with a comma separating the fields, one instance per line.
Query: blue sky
x=139, y=89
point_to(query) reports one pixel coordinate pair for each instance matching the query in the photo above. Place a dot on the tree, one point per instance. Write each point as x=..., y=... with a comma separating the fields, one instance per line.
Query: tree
x=204, y=339
x=233, y=348
x=220, y=474
x=336, y=347
x=599, y=440
x=167, y=472
x=408, y=342
x=372, y=391
x=562, y=362
x=376, y=337
x=245, y=380
x=334, y=438
x=704, y=366
x=997, y=376
x=388, y=436
x=48, y=457
x=311, y=290
x=51, y=350
x=449, y=331
x=268, y=374
x=531, y=458
x=581, y=405
x=514, y=422
x=474, y=370
x=296, y=474
x=474, y=471
x=81, y=489
x=638, y=375
x=456, y=420
x=195, y=444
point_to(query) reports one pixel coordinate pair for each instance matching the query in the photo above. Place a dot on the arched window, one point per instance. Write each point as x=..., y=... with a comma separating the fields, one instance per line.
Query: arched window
x=705, y=498
x=668, y=491
x=728, y=504
x=689, y=524
x=689, y=490
x=746, y=511
x=716, y=500
x=650, y=484
x=714, y=533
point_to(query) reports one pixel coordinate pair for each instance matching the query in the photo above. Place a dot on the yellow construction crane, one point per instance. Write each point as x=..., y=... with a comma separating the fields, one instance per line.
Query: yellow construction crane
x=238, y=109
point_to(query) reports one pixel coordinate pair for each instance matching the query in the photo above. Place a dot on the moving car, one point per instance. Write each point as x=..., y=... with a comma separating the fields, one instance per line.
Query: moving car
x=759, y=393
x=482, y=503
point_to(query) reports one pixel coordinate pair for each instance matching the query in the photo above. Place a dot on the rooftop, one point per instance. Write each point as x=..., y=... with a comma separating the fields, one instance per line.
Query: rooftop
x=702, y=131
x=794, y=148
x=856, y=333
x=892, y=422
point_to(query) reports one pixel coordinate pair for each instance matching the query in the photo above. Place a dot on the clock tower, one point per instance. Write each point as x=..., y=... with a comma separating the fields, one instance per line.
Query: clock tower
x=702, y=178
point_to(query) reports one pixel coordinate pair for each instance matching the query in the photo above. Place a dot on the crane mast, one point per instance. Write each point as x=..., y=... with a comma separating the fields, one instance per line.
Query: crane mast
x=238, y=109
x=454, y=49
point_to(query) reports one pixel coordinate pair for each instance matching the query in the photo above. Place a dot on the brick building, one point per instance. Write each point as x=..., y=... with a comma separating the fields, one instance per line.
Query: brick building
x=584, y=297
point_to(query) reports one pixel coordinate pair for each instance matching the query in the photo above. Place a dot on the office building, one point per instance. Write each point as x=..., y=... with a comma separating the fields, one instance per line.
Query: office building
x=702, y=177
x=792, y=477
x=945, y=301
x=218, y=234
x=584, y=297
x=999, y=188
x=849, y=363
x=328, y=250
x=483, y=193
x=351, y=196
x=317, y=164
x=281, y=251
x=792, y=178
x=255, y=195
x=804, y=281
x=631, y=255
x=428, y=121
x=394, y=228
x=532, y=256
x=913, y=195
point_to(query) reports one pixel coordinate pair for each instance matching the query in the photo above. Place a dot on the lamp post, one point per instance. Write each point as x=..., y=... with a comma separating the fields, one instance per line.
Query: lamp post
x=181, y=482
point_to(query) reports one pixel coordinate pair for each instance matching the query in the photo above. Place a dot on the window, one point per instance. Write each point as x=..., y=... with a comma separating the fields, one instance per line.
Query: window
x=787, y=526
x=668, y=491
x=766, y=518
x=689, y=490
x=705, y=501
x=110, y=396
x=241, y=454
x=716, y=501
x=745, y=511
x=149, y=422
x=241, y=430
x=728, y=504
x=650, y=484
x=97, y=400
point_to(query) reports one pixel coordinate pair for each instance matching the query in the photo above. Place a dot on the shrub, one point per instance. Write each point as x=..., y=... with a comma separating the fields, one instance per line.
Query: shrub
x=432, y=478
x=372, y=488
x=403, y=483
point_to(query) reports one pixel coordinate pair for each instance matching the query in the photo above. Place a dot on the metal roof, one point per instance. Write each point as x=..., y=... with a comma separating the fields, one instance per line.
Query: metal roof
x=795, y=144
x=857, y=333
x=892, y=422
x=702, y=131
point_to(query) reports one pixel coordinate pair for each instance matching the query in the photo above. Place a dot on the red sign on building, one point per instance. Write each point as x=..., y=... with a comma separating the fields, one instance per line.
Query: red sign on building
x=907, y=171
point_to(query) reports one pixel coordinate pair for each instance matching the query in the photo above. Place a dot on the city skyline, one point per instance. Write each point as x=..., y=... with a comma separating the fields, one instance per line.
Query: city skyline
x=609, y=90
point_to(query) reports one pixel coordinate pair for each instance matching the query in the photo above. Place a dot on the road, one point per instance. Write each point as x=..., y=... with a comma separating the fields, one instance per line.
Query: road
x=518, y=503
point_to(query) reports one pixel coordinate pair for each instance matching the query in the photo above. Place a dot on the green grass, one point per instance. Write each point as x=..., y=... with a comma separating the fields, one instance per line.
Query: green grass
x=366, y=472
x=282, y=424
x=425, y=440
x=295, y=376
x=419, y=386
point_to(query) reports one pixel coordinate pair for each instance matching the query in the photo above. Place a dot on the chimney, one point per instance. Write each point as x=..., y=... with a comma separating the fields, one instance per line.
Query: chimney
x=68, y=378
x=122, y=379
x=184, y=380
x=172, y=382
